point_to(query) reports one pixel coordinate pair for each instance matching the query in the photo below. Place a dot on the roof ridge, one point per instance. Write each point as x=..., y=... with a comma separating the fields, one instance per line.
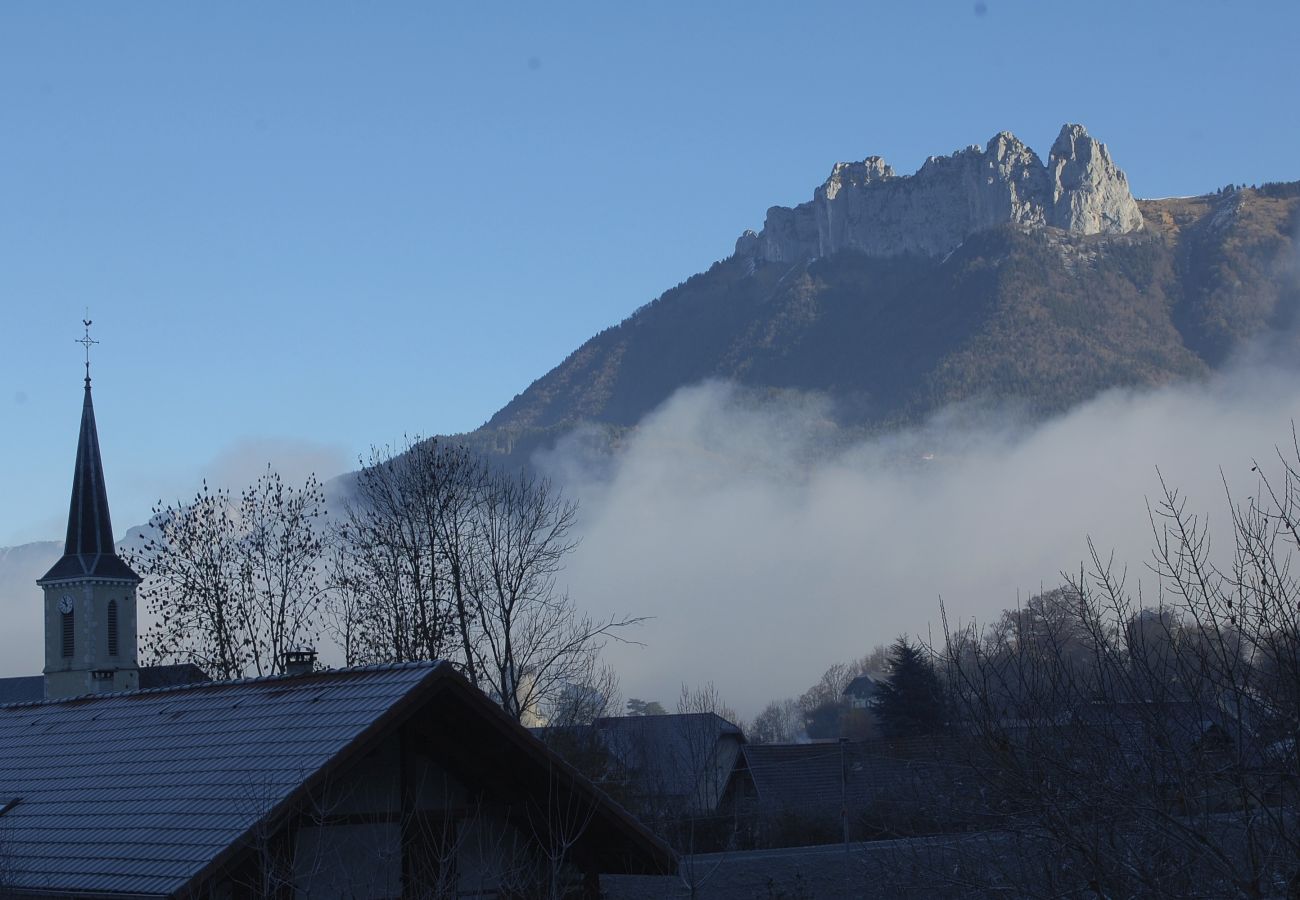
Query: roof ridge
x=255, y=679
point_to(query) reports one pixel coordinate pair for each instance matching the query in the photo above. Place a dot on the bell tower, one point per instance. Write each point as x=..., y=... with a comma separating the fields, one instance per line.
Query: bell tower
x=90, y=623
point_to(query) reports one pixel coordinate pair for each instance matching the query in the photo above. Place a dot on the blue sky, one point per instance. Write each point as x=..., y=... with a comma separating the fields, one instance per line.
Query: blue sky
x=305, y=228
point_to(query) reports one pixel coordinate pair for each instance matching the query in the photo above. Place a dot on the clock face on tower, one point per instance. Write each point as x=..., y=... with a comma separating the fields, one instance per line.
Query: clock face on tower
x=65, y=604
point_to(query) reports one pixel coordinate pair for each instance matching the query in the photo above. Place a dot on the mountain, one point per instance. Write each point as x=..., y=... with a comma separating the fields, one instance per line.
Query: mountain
x=987, y=274
x=19, y=568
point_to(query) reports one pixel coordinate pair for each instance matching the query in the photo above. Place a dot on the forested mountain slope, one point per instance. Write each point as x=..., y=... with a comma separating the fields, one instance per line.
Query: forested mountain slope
x=1035, y=315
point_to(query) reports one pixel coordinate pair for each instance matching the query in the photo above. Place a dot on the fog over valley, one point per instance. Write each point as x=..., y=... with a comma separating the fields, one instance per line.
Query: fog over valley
x=763, y=560
x=763, y=547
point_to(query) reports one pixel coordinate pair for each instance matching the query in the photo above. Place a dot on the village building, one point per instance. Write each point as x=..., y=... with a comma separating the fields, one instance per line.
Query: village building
x=863, y=692
x=385, y=781
x=675, y=764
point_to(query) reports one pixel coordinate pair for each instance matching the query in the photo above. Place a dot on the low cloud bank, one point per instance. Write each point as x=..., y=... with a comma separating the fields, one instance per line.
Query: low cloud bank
x=764, y=558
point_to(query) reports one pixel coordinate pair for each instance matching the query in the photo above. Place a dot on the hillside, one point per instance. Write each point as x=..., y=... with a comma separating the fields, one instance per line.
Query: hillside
x=1019, y=312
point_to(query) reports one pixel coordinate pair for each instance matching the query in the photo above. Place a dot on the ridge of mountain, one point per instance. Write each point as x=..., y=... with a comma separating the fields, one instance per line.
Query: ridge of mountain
x=1022, y=311
x=865, y=206
x=1053, y=299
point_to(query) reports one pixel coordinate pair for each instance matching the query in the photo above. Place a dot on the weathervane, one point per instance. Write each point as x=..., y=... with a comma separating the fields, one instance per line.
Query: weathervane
x=87, y=342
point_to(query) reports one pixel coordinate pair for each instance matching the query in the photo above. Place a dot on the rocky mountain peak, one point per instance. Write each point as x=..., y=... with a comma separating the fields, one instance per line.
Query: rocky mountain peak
x=1089, y=192
x=855, y=174
x=865, y=206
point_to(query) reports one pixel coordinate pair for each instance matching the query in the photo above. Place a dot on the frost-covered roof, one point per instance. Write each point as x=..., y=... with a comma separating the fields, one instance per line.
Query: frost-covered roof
x=152, y=792
x=139, y=792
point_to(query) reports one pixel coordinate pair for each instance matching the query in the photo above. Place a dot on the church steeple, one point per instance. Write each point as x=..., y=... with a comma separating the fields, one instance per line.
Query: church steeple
x=88, y=548
x=90, y=626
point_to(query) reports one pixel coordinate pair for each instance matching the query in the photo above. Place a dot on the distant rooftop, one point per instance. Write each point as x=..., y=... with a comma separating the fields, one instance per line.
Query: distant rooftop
x=31, y=688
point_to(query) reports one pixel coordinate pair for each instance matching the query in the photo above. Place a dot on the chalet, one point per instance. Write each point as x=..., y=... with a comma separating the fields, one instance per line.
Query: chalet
x=863, y=692
x=386, y=781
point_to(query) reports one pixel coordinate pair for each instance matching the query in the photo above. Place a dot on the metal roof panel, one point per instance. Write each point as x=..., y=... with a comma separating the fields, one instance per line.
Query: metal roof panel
x=136, y=792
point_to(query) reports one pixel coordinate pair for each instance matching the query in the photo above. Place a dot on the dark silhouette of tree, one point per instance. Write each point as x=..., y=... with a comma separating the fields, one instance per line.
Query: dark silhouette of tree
x=442, y=557
x=911, y=701
x=822, y=722
x=400, y=577
x=234, y=583
x=1153, y=752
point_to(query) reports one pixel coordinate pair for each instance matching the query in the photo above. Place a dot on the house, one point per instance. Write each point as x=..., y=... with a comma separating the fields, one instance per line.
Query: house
x=863, y=692
x=384, y=781
x=677, y=763
x=376, y=782
x=681, y=774
x=814, y=778
x=812, y=792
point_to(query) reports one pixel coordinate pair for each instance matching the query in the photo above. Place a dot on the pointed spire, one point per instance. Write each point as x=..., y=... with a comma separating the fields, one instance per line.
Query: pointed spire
x=90, y=529
x=88, y=548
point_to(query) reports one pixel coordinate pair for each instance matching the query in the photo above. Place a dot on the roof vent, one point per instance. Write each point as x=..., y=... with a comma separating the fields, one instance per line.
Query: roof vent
x=299, y=662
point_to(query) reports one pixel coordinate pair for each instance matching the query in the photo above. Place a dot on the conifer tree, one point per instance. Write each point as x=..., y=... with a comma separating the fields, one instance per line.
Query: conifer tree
x=911, y=701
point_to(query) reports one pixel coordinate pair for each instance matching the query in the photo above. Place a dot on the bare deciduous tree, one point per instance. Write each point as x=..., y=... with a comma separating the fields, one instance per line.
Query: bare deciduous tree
x=1149, y=751
x=283, y=543
x=780, y=722
x=232, y=586
x=440, y=557
x=390, y=573
x=191, y=564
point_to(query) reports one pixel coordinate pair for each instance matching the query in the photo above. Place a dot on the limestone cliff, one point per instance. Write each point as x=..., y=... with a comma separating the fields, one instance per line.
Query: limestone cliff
x=865, y=206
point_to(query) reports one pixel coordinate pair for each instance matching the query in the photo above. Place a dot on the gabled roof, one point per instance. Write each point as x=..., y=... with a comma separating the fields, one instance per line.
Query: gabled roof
x=138, y=792
x=804, y=776
x=816, y=776
x=864, y=686
x=149, y=792
x=88, y=549
x=671, y=750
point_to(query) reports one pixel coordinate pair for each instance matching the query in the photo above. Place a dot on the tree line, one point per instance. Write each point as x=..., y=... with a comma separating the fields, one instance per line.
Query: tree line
x=1101, y=739
x=435, y=555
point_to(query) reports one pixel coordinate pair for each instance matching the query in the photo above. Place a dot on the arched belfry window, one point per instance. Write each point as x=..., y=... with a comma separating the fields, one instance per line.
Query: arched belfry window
x=112, y=628
x=69, y=635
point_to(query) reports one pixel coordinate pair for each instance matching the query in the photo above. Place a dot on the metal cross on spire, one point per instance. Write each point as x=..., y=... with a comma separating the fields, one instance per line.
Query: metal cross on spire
x=87, y=342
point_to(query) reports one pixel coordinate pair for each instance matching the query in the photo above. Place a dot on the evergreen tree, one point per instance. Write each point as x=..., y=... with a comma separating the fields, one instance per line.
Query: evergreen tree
x=911, y=701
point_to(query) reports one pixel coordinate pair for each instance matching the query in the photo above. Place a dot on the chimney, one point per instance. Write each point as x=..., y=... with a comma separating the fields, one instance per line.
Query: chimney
x=299, y=662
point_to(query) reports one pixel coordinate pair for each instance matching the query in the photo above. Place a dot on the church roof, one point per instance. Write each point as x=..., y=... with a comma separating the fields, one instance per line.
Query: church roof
x=31, y=688
x=88, y=549
x=150, y=793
